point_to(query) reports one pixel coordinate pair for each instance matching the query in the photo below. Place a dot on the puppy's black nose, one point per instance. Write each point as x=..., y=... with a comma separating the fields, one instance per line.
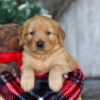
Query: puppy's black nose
x=40, y=44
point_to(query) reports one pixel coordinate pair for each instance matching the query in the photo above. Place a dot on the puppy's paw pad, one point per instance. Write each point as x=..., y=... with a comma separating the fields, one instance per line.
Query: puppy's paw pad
x=27, y=84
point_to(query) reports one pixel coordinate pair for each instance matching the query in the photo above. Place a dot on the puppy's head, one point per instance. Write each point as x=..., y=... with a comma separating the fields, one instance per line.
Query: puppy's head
x=41, y=34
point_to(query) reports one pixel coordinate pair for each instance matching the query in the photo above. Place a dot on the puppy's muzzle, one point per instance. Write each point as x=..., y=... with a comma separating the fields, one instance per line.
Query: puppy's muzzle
x=40, y=44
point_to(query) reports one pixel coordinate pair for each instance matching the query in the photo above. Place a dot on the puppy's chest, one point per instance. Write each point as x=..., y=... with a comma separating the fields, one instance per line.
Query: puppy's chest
x=41, y=65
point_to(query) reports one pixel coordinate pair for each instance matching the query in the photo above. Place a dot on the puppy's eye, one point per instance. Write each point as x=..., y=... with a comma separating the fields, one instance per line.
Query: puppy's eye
x=48, y=33
x=32, y=33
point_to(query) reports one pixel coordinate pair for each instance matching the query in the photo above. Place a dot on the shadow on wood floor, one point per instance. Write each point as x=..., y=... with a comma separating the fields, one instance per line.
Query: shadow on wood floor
x=91, y=90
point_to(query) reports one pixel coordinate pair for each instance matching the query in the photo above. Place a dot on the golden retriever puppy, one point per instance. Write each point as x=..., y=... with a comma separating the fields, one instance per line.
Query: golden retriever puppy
x=43, y=42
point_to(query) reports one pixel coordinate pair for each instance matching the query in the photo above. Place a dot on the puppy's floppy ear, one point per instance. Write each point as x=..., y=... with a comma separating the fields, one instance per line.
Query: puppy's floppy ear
x=61, y=35
x=60, y=32
x=20, y=31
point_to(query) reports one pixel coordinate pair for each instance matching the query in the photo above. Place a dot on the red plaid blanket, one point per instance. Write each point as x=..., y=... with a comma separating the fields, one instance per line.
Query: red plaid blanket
x=10, y=87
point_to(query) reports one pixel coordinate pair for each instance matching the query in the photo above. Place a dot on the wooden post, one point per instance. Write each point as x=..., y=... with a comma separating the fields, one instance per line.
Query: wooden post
x=55, y=7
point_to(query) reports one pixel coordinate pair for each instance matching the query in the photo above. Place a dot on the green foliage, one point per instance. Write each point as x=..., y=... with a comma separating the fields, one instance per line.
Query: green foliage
x=17, y=11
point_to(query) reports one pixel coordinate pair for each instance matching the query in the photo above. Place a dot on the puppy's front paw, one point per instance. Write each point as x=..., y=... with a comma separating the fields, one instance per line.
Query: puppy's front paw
x=1, y=98
x=27, y=82
x=56, y=84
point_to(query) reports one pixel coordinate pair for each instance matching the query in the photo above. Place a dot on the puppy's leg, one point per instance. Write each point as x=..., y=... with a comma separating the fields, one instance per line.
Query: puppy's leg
x=55, y=79
x=1, y=98
x=27, y=79
x=79, y=98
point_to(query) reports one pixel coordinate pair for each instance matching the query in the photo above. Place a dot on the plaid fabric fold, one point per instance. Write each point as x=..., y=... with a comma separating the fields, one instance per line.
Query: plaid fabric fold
x=10, y=87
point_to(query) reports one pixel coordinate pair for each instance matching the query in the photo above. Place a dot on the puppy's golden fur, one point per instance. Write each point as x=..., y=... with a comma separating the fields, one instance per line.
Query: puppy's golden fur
x=1, y=98
x=53, y=58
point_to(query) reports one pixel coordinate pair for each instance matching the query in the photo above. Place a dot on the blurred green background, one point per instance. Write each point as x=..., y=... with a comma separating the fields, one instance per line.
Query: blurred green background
x=17, y=11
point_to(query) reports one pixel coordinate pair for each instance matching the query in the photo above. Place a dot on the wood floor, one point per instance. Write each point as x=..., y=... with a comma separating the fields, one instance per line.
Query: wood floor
x=91, y=90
